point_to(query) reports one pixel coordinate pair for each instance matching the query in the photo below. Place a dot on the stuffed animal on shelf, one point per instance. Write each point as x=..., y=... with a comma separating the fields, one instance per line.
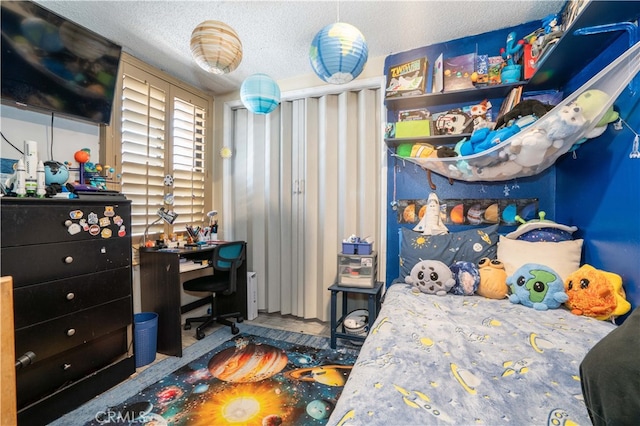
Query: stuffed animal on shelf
x=510, y=53
x=529, y=149
x=430, y=277
x=595, y=293
x=536, y=286
x=566, y=121
x=483, y=139
x=493, y=279
x=591, y=102
x=415, y=150
x=522, y=109
x=467, y=278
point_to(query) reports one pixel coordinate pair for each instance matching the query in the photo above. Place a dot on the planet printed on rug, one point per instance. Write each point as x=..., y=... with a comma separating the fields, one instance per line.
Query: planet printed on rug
x=248, y=380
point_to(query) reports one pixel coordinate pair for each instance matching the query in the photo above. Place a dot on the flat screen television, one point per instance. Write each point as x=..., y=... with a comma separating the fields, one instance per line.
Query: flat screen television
x=54, y=65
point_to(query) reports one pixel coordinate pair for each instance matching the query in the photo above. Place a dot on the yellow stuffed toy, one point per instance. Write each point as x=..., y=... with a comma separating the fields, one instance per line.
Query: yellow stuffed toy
x=596, y=293
x=493, y=279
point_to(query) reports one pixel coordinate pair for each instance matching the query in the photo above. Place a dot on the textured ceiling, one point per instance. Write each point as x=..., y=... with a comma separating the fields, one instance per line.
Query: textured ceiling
x=276, y=34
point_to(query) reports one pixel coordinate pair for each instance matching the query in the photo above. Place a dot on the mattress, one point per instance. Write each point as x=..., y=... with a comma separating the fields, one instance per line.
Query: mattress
x=468, y=360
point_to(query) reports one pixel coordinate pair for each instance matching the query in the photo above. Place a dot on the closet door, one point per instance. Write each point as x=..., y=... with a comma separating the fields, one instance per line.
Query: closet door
x=305, y=177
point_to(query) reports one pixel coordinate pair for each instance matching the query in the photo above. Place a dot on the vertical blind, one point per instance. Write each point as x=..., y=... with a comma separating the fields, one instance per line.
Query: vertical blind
x=307, y=175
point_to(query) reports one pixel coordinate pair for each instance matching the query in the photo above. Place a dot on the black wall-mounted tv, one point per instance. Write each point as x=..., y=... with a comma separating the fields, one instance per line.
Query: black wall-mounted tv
x=54, y=65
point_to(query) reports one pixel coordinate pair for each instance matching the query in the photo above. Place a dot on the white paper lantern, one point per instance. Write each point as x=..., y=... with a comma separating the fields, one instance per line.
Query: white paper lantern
x=216, y=47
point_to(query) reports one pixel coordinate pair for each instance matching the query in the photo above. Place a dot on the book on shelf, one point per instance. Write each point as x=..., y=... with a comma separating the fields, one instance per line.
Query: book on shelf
x=457, y=72
x=512, y=99
x=407, y=78
x=438, y=74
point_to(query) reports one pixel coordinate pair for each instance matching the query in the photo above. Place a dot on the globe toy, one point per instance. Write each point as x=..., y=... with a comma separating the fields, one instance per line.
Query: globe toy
x=55, y=172
x=338, y=53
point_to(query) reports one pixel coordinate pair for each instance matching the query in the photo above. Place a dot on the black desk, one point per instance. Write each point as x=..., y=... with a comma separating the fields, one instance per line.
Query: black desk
x=161, y=287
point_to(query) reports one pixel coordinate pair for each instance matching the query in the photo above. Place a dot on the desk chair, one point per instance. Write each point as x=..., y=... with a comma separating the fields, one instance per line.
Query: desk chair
x=227, y=259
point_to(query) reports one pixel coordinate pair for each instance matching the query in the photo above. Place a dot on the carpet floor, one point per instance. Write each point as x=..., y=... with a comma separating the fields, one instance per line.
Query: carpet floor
x=262, y=376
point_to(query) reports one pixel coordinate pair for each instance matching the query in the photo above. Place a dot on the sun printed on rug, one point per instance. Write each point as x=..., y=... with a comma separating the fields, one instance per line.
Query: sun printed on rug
x=248, y=380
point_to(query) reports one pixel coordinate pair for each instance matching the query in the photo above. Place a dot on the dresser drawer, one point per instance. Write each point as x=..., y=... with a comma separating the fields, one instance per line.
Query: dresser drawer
x=41, y=302
x=44, y=262
x=42, y=378
x=58, y=335
x=35, y=221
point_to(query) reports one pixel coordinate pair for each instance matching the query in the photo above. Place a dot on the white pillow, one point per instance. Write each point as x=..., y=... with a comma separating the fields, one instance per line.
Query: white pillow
x=563, y=256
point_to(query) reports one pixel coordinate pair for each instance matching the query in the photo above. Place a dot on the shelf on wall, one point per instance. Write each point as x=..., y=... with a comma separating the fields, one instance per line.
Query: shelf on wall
x=569, y=56
x=433, y=140
x=573, y=52
x=538, y=146
x=452, y=97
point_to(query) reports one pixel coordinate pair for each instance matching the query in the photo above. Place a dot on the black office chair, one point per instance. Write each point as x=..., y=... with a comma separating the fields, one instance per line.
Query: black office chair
x=227, y=259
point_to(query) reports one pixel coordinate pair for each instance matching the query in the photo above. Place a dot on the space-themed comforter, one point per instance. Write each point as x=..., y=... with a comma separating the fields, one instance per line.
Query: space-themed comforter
x=468, y=360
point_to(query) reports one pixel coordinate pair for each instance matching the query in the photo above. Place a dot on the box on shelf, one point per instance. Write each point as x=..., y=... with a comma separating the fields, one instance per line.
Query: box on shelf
x=356, y=248
x=357, y=270
x=408, y=78
x=413, y=129
x=457, y=72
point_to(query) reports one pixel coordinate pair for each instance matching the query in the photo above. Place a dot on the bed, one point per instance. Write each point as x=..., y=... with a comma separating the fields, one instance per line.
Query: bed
x=468, y=360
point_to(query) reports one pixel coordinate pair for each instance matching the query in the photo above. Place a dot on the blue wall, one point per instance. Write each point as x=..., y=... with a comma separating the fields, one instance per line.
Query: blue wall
x=598, y=191
x=411, y=180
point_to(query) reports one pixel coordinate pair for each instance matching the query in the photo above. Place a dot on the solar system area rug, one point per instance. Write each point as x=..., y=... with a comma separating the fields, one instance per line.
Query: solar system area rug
x=247, y=380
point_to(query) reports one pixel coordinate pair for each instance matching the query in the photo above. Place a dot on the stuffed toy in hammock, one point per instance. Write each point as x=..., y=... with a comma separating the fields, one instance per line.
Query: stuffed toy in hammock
x=595, y=293
x=537, y=286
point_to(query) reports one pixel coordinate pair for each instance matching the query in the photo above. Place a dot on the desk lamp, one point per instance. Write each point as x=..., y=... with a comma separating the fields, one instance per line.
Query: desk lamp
x=213, y=225
x=168, y=216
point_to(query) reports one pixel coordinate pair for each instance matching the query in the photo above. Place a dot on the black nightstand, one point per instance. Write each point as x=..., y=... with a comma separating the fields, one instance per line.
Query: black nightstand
x=374, y=295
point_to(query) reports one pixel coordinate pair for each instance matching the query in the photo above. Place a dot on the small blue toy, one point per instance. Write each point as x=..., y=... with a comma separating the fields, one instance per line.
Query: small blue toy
x=537, y=286
x=511, y=52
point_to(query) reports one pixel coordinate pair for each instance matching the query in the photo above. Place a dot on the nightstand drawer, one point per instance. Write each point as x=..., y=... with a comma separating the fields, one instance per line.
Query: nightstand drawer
x=53, y=337
x=39, y=379
x=61, y=297
x=39, y=263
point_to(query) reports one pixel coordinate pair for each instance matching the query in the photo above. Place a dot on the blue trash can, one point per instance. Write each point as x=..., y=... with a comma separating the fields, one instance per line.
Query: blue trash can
x=145, y=326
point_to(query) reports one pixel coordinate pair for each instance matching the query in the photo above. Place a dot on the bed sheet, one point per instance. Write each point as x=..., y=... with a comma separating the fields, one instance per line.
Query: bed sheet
x=468, y=360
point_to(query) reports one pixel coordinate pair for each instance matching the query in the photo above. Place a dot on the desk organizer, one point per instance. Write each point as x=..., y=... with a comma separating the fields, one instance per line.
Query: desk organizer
x=356, y=248
x=357, y=270
x=538, y=146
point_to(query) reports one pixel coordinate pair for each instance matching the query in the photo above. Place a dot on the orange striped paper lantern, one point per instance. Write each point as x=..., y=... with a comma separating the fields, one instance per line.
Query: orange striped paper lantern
x=216, y=47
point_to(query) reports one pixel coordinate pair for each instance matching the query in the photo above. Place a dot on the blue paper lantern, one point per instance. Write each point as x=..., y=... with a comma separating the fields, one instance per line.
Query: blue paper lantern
x=260, y=94
x=338, y=53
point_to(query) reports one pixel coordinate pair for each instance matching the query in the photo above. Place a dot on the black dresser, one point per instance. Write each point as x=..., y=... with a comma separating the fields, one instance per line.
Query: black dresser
x=71, y=266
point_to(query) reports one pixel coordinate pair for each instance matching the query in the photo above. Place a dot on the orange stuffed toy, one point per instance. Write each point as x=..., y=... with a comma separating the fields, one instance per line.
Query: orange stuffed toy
x=596, y=293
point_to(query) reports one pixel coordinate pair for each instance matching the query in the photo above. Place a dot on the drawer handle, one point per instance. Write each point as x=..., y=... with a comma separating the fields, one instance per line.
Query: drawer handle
x=66, y=366
x=70, y=296
x=71, y=332
x=68, y=259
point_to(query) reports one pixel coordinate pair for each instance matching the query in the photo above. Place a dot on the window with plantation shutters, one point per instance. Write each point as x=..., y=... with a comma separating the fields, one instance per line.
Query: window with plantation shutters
x=160, y=129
